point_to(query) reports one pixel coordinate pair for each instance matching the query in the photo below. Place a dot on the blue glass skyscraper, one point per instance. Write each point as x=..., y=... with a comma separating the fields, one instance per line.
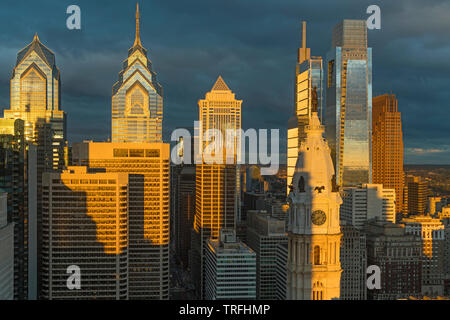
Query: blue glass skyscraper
x=348, y=114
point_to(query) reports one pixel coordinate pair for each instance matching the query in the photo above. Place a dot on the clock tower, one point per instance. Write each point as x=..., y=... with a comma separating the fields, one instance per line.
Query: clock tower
x=313, y=267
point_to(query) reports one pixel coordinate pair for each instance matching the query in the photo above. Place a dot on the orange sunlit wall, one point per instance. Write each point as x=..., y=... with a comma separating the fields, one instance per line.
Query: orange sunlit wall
x=387, y=146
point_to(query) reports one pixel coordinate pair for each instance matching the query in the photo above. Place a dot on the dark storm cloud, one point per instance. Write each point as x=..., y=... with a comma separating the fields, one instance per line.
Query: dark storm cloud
x=252, y=44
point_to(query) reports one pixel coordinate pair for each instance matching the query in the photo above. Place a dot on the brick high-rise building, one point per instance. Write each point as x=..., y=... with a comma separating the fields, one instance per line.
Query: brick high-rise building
x=399, y=257
x=387, y=146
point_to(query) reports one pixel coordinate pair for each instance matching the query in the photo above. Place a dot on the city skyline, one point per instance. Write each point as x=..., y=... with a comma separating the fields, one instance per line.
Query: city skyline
x=146, y=198
x=91, y=51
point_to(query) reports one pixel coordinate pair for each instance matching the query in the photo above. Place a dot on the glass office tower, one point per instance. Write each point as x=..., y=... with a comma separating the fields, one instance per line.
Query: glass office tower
x=308, y=77
x=137, y=98
x=36, y=99
x=348, y=114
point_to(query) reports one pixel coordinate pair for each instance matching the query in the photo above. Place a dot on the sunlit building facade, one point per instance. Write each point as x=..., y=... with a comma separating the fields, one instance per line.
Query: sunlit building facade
x=431, y=231
x=36, y=99
x=314, y=233
x=387, y=146
x=217, y=175
x=348, y=113
x=137, y=98
x=366, y=202
x=417, y=194
x=85, y=225
x=148, y=167
x=308, y=77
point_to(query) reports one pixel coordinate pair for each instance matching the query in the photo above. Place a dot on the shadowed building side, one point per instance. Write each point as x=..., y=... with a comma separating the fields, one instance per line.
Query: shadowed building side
x=147, y=165
x=85, y=224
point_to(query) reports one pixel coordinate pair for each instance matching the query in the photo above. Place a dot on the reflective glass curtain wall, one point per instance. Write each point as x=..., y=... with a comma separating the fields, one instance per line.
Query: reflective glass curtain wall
x=348, y=114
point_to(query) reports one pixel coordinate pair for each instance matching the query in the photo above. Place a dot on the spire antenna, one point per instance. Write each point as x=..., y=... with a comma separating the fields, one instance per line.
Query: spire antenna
x=36, y=38
x=303, y=34
x=137, y=40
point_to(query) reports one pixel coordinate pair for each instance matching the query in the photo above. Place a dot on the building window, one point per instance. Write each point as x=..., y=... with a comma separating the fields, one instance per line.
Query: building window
x=317, y=255
x=301, y=185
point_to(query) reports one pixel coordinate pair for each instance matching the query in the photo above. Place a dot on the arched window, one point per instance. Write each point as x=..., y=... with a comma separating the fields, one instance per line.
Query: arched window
x=301, y=184
x=317, y=255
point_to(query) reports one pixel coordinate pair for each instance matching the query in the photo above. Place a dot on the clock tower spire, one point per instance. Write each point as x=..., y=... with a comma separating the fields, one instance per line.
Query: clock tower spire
x=314, y=269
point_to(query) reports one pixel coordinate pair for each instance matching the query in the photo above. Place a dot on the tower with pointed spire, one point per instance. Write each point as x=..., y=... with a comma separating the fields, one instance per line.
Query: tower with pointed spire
x=36, y=99
x=313, y=267
x=137, y=98
x=217, y=184
x=308, y=94
x=137, y=40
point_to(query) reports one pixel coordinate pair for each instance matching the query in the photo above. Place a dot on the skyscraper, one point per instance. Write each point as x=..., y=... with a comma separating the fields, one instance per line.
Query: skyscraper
x=147, y=165
x=217, y=184
x=281, y=271
x=308, y=90
x=6, y=251
x=184, y=213
x=36, y=99
x=387, y=146
x=417, y=193
x=18, y=179
x=264, y=234
x=137, y=98
x=353, y=257
x=367, y=202
x=230, y=268
x=85, y=225
x=348, y=114
x=313, y=267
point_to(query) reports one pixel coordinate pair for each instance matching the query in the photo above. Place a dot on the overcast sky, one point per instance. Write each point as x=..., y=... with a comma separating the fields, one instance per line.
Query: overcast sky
x=252, y=44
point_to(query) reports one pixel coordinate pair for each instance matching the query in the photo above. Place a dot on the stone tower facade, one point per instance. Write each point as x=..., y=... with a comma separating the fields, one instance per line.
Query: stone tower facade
x=313, y=267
